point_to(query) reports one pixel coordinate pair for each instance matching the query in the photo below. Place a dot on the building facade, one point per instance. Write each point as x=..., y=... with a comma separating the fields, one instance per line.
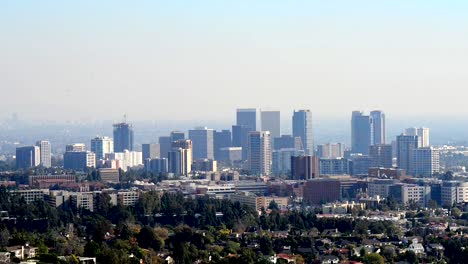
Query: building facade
x=378, y=132
x=123, y=137
x=271, y=121
x=102, y=146
x=28, y=157
x=203, y=143
x=360, y=133
x=302, y=128
x=259, y=152
x=45, y=151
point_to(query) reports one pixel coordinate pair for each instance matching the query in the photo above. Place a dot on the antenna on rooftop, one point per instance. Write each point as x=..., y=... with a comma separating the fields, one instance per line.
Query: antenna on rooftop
x=125, y=118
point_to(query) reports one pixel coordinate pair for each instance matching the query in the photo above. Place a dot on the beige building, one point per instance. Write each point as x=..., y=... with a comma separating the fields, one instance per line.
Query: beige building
x=259, y=202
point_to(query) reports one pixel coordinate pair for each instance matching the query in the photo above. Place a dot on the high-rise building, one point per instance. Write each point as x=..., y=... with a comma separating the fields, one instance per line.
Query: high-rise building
x=203, y=145
x=360, y=164
x=378, y=133
x=411, y=131
x=425, y=162
x=230, y=155
x=381, y=156
x=177, y=135
x=304, y=167
x=240, y=138
x=109, y=175
x=222, y=139
x=360, y=133
x=318, y=191
x=281, y=160
x=164, y=146
x=247, y=117
x=205, y=165
x=75, y=147
x=45, y=152
x=126, y=159
x=286, y=142
x=158, y=165
x=28, y=157
x=151, y=151
x=336, y=166
x=259, y=152
x=101, y=146
x=331, y=150
x=181, y=157
x=123, y=137
x=79, y=160
x=302, y=128
x=423, y=134
x=405, y=146
x=271, y=121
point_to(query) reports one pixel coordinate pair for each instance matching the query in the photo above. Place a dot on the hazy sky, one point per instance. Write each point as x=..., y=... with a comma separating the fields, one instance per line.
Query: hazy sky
x=202, y=59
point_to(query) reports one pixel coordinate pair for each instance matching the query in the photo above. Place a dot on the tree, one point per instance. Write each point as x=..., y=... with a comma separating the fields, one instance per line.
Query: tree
x=4, y=237
x=273, y=205
x=266, y=246
x=147, y=238
x=456, y=212
x=373, y=258
x=92, y=249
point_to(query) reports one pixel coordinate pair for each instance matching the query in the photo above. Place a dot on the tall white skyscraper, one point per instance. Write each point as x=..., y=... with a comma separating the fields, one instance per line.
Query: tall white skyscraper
x=302, y=128
x=259, y=152
x=423, y=134
x=45, y=153
x=271, y=121
x=102, y=146
x=377, y=122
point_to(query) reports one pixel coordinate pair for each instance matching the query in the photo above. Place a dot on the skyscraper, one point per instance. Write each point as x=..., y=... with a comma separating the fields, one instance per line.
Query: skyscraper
x=302, y=127
x=423, y=134
x=360, y=133
x=240, y=136
x=177, y=135
x=331, y=150
x=381, y=156
x=101, y=146
x=150, y=151
x=411, y=131
x=304, y=167
x=181, y=157
x=27, y=157
x=425, y=162
x=75, y=147
x=259, y=152
x=378, y=134
x=45, y=152
x=405, y=146
x=271, y=121
x=202, y=138
x=164, y=146
x=247, y=117
x=222, y=139
x=79, y=160
x=123, y=137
